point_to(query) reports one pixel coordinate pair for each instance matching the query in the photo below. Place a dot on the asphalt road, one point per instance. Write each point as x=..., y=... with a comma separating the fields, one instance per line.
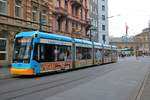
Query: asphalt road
x=49, y=86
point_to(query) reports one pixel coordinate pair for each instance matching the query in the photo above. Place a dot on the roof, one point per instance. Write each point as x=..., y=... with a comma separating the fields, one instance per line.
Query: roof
x=45, y=35
x=82, y=41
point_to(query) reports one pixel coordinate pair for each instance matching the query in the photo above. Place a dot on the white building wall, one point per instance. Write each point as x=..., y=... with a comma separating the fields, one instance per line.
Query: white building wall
x=103, y=22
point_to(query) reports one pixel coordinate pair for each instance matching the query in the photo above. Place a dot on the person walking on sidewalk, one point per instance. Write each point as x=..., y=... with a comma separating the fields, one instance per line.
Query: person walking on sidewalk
x=136, y=55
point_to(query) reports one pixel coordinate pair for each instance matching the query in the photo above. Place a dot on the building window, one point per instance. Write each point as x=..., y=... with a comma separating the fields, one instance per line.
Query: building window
x=103, y=27
x=73, y=27
x=3, y=7
x=34, y=13
x=18, y=8
x=76, y=12
x=81, y=13
x=103, y=8
x=59, y=25
x=58, y=3
x=91, y=7
x=103, y=17
x=72, y=10
x=66, y=26
x=66, y=4
x=3, y=45
x=104, y=38
x=44, y=16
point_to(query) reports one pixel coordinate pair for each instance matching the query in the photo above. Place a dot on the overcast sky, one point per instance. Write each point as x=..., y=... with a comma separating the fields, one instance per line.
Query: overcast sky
x=136, y=13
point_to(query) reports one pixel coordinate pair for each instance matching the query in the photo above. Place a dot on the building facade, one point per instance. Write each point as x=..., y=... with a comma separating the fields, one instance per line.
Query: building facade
x=64, y=17
x=93, y=11
x=71, y=18
x=142, y=42
x=121, y=43
x=138, y=42
x=103, y=36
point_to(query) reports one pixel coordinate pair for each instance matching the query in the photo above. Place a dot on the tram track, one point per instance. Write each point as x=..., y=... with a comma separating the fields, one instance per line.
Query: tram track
x=16, y=93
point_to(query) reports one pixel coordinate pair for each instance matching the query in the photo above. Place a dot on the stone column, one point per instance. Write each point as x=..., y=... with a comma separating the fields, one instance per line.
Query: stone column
x=10, y=46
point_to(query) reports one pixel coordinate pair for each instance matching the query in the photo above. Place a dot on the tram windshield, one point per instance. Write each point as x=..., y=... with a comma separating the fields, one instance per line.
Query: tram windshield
x=22, y=50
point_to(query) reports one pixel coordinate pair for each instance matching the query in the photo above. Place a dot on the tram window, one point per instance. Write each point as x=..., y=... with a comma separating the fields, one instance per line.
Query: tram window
x=89, y=53
x=64, y=53
x=35, y=54
x=44, y=53
x=83, y=53
x=107, y=53
x=51, y=53
x=78, y=53
x=98, y=54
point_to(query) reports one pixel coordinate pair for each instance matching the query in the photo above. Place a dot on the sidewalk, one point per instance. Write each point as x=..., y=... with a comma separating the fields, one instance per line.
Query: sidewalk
x=4, y=72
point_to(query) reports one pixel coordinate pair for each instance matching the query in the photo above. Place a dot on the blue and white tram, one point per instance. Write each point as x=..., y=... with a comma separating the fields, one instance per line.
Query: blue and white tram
x=38, y=52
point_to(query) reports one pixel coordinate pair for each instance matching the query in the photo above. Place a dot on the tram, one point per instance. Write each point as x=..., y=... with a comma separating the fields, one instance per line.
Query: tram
x=39, y=52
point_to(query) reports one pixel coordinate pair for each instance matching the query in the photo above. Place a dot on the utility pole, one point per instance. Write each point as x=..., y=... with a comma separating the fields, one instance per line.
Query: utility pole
x=149, y=38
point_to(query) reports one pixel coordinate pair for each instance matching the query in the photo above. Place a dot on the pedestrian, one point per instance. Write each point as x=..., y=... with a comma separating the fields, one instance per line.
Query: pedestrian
x=136, y=55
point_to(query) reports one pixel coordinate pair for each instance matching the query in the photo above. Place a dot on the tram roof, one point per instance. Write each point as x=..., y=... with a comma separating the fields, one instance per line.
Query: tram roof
x=82, y=41
x=97, y=44
x=107, y=46
x=26, y=34
x=45, y=35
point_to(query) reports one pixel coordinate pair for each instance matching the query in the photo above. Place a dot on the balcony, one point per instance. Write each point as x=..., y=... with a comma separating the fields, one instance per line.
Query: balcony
x=77, y=3
x=75, y=18
x=59, y=11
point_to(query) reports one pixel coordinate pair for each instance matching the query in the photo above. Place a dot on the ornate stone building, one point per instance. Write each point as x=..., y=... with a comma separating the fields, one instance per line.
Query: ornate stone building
x=142, y=42
x=64, y=17
x=71, y=18
x=121, y=44
x=138, y=42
